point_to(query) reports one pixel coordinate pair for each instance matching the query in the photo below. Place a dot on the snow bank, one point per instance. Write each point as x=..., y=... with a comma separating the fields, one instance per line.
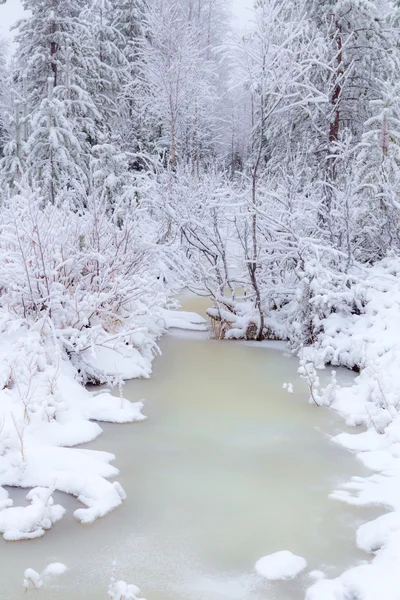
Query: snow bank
x=28, y=522
x=371, y=342
x=45, y=411
x=280, y=565
x=184, y=320
x=237, y=320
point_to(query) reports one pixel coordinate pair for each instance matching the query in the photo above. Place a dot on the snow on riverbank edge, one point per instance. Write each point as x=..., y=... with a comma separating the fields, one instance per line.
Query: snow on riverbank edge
x=45, y=412
x=370, y=341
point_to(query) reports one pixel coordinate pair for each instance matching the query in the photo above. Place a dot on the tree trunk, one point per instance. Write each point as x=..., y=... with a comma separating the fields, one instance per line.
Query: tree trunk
x=335, y=100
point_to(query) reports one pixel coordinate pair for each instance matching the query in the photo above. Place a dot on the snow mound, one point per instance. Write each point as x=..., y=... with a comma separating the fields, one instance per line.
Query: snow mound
x=55, y=569
x=317, y=575
x=127, y=365
x=183, y=320
x=28, y=522
x=120, y=590
x=32, y=579
x=280, y=565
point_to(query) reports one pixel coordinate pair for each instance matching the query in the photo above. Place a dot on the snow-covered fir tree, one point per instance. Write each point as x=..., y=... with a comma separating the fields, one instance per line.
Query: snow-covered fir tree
x=3, y=99
x=378, y=179
x=128, y=18
x=62, y=120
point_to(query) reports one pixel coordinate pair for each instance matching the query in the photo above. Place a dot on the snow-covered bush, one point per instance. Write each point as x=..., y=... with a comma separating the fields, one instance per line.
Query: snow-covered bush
x=324, y=287
x=32, y=579
x=81, y=278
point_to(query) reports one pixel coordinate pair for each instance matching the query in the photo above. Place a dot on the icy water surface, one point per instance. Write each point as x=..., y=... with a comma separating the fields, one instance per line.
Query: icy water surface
x=229, y=467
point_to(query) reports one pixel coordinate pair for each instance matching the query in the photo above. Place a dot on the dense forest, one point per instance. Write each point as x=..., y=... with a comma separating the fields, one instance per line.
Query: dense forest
x=144, y=145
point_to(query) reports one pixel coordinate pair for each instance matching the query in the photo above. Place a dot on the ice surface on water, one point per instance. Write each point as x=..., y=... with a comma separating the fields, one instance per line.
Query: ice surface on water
x=228, y=468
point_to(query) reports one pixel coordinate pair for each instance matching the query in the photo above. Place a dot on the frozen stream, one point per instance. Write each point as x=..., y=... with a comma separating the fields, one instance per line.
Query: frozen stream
x=229, y=467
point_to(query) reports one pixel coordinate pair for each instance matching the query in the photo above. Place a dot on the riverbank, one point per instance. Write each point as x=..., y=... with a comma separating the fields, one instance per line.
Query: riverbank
x=45, y=412
x=369, y=341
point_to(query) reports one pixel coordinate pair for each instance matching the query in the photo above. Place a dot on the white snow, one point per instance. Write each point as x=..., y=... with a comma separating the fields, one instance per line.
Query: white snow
x=28, y=522
x=32, y=579
x=288, y=387
x=184, y=320
x=38, y=430
x=280, y=565
x=120, y=590
x=370, y=341
x=316, y=574
x=45, y=411
x=55, y=569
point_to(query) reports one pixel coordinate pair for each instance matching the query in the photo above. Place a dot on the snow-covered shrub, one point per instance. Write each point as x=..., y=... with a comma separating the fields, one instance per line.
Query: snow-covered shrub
x=324, y=288
x=377, y=175
x=319, y=396
x=81, y=278
x=308, y=374
x=32, y=579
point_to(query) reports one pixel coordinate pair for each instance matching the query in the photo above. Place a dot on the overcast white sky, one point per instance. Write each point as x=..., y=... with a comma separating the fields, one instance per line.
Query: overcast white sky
x=12, y=10
x=242, y=10
x=9, y=13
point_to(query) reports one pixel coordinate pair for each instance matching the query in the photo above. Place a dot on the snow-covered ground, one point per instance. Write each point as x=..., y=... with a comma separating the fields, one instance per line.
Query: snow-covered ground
x=45, y=411
x=370, y=341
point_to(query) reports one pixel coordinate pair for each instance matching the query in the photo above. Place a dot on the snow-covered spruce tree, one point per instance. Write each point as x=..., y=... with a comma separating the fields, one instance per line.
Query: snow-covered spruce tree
x=113, y=179
x=13, y=161
x=49, y=45
x=52, y=68
x=120, y=155
x=3, y=99
x=57, y=151
x=378, y=179
x=14, y=153
x=128, y=18
x=359, y=40
x=13, y=127
x=105, y=43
